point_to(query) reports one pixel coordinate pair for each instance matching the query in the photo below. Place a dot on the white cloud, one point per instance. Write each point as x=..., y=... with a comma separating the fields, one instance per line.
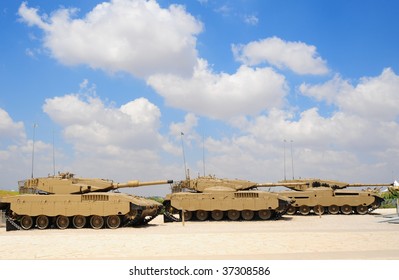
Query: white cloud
x=329, y=91
x=251, y=19
x=342, y=146
x=120, y=143
x=357, y=142
x=222, y=96
x=16, y=152
x=9, y=129
x=296, y=56
x=93, y=126
x=186, y=127
x=374, y=98
x=135, y=36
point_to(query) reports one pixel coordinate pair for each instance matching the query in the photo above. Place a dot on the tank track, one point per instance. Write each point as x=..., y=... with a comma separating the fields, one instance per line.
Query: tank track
x=148, y=219
x=11, y=225
x=135, y=221
x=168, y=216
x=138, y=220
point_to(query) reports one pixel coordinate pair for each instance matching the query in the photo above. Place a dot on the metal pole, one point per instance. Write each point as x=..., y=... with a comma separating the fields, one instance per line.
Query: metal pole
x=33, y=147
x=285, y=176
x=292, y=162
x=203, y=152
x=184, y=156
x=53, y=155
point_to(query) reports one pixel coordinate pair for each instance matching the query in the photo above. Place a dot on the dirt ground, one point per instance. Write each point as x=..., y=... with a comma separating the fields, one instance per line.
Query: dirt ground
x=329, y=237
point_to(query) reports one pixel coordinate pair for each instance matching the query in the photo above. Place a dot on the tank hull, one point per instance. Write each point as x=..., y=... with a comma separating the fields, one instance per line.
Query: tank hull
x=110, y=210
x=246, y=205
x=327, y=200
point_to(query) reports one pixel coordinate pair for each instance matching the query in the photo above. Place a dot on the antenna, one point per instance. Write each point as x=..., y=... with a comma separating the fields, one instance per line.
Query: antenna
x=33, y=146
x=203, y=152
x=53, y=155
x=292, y=161
x=184, y=156
x=285, y=176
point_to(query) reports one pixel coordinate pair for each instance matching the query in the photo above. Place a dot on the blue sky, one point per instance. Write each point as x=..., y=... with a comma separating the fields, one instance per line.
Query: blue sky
x=115, y=83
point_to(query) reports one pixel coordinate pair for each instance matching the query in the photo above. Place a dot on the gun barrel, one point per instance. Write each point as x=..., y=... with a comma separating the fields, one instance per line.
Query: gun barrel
x=369, y=185
x=280, y=184
x=136, y=183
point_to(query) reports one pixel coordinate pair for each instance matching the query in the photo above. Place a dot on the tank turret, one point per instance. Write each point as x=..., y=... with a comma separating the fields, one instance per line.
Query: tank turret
x=66, y=183
x=64, y=201
x=304, y=184
x=217, y=198
x=214, y=184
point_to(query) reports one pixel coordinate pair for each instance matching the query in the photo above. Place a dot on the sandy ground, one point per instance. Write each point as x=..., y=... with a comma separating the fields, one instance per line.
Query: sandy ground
x=292, y=237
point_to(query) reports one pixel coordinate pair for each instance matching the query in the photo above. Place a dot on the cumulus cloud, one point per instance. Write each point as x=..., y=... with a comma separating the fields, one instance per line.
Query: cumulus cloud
x=187, y=127
x=16, y=152
x=296, y=56
x=121, y=143
x=93, y=126
x=357, y=142
x=9, y=129
x=135, y=36
x=373, y=98
x=222, y=96
x=342, y=146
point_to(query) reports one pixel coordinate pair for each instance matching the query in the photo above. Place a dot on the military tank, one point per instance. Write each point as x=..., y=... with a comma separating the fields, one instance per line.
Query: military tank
x=64, y=201
x=328, y=196
x=210, y=197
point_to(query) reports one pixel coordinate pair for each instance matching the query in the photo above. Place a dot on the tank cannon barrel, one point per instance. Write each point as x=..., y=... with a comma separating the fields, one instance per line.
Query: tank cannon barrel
x=369, y=185
x=280, y=184
x=303, y=184
x=136, y=184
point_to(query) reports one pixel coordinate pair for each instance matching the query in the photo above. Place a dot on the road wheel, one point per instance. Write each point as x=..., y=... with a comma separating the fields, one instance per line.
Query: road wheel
x=333, y=209
x=361, y=209
x=304, y=210
x=346, y=209
x=264, y=214
x=113, y=221
x=217, y=215
x=247, y=215
x=96, y=222
x=318, y=210
x=79, y=221
x=42, y=222
x=188, y=215
x=26, y=222
x=291, y=210
x=233, y=215
x=62, y=222
x=201, y=215
x=377, y=203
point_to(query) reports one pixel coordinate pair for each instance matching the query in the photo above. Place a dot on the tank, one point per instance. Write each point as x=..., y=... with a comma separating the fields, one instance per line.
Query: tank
x=328, y=196
x=64, y=201
x=209, y=197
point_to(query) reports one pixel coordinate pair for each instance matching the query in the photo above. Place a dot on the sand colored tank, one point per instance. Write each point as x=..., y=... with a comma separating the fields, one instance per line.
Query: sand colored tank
x=213, y=198
x=327, y=196
x=65, y=201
